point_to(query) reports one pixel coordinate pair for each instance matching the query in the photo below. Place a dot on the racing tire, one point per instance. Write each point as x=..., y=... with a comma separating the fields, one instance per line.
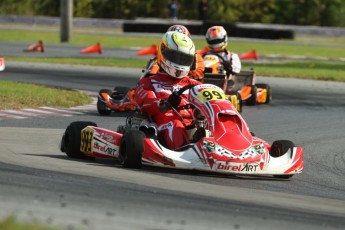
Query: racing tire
x=102, y=109
x=280, y=147
x=131, y=148
x=269, y=91
x=239, y=103
x=253, y=99
x=71, y=139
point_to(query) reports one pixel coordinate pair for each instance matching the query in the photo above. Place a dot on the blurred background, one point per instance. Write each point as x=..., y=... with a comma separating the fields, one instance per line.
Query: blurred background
x=329, y=13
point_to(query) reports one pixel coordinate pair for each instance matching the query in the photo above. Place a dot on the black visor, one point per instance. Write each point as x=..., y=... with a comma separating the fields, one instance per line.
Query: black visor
x=178, y=58
x=216, y=41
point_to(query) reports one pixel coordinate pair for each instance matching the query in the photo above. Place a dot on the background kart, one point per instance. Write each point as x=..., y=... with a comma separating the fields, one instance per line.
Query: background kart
x=120, y=99
x=221, y=141
x=243, y=83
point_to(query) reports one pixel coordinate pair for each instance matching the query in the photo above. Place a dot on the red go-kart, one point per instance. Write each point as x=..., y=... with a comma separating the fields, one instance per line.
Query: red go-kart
x=221, y=143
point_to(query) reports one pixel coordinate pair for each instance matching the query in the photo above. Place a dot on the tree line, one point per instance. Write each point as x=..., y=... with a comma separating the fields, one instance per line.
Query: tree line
x=290, y=12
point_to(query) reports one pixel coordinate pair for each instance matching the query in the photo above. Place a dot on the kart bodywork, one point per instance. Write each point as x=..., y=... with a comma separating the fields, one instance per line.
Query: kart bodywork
x=226, y=146
x=243, y=83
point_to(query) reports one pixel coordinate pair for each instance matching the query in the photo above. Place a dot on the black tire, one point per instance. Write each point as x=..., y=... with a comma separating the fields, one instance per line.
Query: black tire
x=280, y=147
x=253, y=99
x=269, y=91
x=102, y=109
x=70, y=143
x=131, y=148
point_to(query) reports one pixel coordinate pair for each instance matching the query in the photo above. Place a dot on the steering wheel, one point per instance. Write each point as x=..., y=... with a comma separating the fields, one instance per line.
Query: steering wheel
x=225, y=64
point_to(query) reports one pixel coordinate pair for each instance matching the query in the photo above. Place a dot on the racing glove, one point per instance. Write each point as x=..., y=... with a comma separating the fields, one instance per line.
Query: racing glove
x=163, y=106
x=174, y=99
x=235, y=63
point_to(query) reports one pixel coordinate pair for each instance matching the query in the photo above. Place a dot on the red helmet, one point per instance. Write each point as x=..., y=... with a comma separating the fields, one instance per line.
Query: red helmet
x=179, y=28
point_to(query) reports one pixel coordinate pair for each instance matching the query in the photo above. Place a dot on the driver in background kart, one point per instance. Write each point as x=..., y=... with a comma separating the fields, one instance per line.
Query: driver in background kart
x=217, y=41
x=155, y=94
x=197, y=69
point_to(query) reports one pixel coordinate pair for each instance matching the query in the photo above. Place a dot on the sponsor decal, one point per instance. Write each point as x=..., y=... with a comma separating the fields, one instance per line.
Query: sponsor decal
x=107, y=137
x=248, y=167
x=105, y=149
x=86, y=140
x=260, y=149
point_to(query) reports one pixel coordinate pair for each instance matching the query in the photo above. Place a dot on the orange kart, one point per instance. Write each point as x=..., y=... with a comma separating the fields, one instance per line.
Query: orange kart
x=120, y=99
x=243, y=83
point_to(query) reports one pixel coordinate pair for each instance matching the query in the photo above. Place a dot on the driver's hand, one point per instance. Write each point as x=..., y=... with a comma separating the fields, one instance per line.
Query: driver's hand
x=163, y=106
x=174, y=99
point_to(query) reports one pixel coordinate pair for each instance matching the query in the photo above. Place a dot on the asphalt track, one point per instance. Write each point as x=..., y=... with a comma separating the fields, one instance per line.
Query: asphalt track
x=39, y=182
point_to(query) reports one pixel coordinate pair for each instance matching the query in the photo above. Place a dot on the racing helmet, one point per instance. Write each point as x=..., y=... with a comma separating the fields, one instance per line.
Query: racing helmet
x=176, y=53
x=217, y=38
x=179, y=28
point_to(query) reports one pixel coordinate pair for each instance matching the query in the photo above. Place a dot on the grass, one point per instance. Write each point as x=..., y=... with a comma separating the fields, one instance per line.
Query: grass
x=330, y=71
x=127, y=41
x=11, y=224
x=15, y=95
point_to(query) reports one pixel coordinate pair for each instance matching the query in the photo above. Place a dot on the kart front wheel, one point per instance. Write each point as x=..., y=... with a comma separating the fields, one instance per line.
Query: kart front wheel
x=71, y=139
x=281, y=147
x=103, y=99
x=102, y=109
x=235, y=99
x=278, y=149
x=131, y=148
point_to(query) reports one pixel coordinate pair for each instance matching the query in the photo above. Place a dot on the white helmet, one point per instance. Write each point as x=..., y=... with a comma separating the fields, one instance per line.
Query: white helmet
x=176, y=53
x=217, y=38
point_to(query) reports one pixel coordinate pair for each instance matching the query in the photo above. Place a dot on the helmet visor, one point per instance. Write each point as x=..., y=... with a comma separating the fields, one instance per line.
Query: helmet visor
x=178, y=58
x=216, y=41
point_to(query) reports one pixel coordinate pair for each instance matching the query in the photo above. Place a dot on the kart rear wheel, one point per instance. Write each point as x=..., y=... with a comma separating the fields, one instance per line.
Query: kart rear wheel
x=268, y=89
x=71, y=139
x=281, y=147
x=101, y=107
x=253, y=98
x=131, y=148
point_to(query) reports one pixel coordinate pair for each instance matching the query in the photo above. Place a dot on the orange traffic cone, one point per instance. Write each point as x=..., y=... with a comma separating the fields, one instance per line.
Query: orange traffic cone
x=152, y=50
x=38, y=47
x=249, y=55
x=92, y=49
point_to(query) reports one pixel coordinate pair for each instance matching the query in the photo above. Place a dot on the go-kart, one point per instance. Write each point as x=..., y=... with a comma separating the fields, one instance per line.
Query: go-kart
x=243, y=83
x=221, y=143
x=119, y=99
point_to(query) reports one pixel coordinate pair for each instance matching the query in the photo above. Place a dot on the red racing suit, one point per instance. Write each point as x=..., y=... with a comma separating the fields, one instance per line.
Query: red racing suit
x=150, y=91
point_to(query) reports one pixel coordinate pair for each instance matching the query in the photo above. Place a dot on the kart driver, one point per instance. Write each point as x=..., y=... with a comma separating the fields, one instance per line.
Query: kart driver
x=217, y=40
x=198, y=67
x=154, y=94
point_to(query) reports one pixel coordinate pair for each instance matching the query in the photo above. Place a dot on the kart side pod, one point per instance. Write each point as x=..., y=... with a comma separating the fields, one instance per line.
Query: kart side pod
x=83, y=139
